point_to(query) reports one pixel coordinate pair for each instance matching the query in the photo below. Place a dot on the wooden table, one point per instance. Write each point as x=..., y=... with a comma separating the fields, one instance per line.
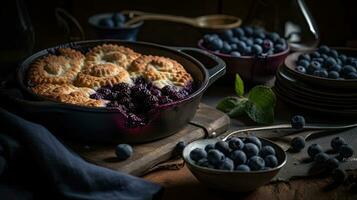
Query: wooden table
x=181, y=184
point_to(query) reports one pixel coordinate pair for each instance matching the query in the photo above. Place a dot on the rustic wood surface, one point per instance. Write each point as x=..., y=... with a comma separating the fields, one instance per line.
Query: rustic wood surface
x=207, y=121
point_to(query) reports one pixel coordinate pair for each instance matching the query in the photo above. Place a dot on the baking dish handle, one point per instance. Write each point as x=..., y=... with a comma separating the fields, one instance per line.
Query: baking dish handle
x=215, y=66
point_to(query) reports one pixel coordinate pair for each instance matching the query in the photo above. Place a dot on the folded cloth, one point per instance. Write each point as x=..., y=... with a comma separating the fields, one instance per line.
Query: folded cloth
x=36, y=165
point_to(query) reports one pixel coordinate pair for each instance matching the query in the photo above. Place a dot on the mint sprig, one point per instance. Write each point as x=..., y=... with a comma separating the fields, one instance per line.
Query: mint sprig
x=258, y=104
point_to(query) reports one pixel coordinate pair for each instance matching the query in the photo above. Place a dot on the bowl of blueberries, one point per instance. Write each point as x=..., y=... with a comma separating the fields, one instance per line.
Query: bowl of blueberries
x=240, y=164
x=325, y=66
x=252, y=52
x=112, y=26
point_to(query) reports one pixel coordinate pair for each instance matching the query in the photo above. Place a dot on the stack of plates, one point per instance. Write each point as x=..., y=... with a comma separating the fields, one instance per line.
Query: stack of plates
x=314, y=93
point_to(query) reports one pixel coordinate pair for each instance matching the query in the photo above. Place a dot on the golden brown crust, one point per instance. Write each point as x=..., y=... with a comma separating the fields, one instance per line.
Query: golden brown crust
x=68, y=93
x=57, y=69
x=111, y=53
x=161, y=71
x=97, y=75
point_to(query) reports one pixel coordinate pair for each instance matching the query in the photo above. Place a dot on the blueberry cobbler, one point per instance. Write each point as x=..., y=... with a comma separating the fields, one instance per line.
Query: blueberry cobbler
x=111, y=76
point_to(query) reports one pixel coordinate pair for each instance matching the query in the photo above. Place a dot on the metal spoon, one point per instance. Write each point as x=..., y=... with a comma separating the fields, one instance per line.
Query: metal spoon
x=216, y=22
x=288, y=126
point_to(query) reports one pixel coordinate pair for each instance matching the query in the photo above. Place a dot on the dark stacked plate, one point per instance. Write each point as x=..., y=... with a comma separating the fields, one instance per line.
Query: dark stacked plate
x=337, y=97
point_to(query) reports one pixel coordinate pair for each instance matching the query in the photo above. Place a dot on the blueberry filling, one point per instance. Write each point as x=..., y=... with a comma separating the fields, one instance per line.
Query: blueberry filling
x=136, y=101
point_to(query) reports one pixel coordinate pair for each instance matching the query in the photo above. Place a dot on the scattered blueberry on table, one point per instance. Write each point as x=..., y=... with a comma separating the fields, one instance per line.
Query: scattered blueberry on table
x=297, y=122
x=313, y=150
x=327, y=63
x=245, y=41
x=239, y=154
x=123, y=151
x=297, y=143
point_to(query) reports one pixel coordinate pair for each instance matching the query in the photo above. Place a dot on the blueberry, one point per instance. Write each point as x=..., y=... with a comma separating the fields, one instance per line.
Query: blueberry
x=324, y=56
x=243, y=168
x=323, y=49
x=179, y=147
x=227, y=165
x=348, y=69
x=248, y=42
x=123, y=151
x=333, y=53
x=329, y=62
x=343, y=58
x=238, y=157
x=250, y=149
x=259, y=34
x=208, y=147
x=303, y=62
x=314, y=65
x=106, y=23
x=248, y=50
x=279, y=48
x=258, y=41
x=227, y=34
x=320, y=60
x=235, y=54
x=226, y=48
x=300, y=69
x=257, y=49
x=339, y=175
x=349, y=60
x=297, y=143
x=267, y=150
x=333, y=74
x=271, y=161
x=314, y=149
x=337, y=142
x=321, y=73
x=338, y=60
x=336, y=68
x=273, y=36
x=238, y=32
x=248, y=31
x=241, y=46
x=254, y=140
x=315, y=54
x=222, y=147
x=118, y=19
x=236, y=143
x=164, y=100
x=346, y=151
x=197, y=154
x=234, y=47
x=321, y=157
x=215, y=157
x=351, y=75
x=204, y=163
x=332, y=163
x=256, y=163
x=297, y=122
x=214, y=44
x=267, y=45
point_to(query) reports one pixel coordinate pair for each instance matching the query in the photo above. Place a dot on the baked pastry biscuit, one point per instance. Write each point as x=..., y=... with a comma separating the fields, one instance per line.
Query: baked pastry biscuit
x=68, y=93
x=160, y=71
x=111, y=53
x=97, y=75
x=57, y=69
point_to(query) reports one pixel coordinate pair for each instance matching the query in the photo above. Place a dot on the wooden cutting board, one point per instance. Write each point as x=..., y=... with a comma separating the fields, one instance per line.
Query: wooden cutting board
x=208, y=122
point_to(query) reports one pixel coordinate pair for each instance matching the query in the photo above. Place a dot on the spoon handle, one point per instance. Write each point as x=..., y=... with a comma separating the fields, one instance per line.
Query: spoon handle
x=172, y=18
x=286, y=126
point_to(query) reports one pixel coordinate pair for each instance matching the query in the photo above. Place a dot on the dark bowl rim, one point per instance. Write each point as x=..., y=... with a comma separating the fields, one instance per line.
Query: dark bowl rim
x=220, y=171
x=296, y=54
x=200, y=45
x=24, y=86
x=92, y=17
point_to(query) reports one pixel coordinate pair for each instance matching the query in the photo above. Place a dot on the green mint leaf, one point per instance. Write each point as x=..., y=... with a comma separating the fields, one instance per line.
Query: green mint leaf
x=239, y=86
x=263, y=97
x=239, y=109
x=227, y=104
x=258, y=114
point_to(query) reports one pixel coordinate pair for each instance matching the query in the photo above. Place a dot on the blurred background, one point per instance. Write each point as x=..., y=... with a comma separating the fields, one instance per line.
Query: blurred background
x=36, y=26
